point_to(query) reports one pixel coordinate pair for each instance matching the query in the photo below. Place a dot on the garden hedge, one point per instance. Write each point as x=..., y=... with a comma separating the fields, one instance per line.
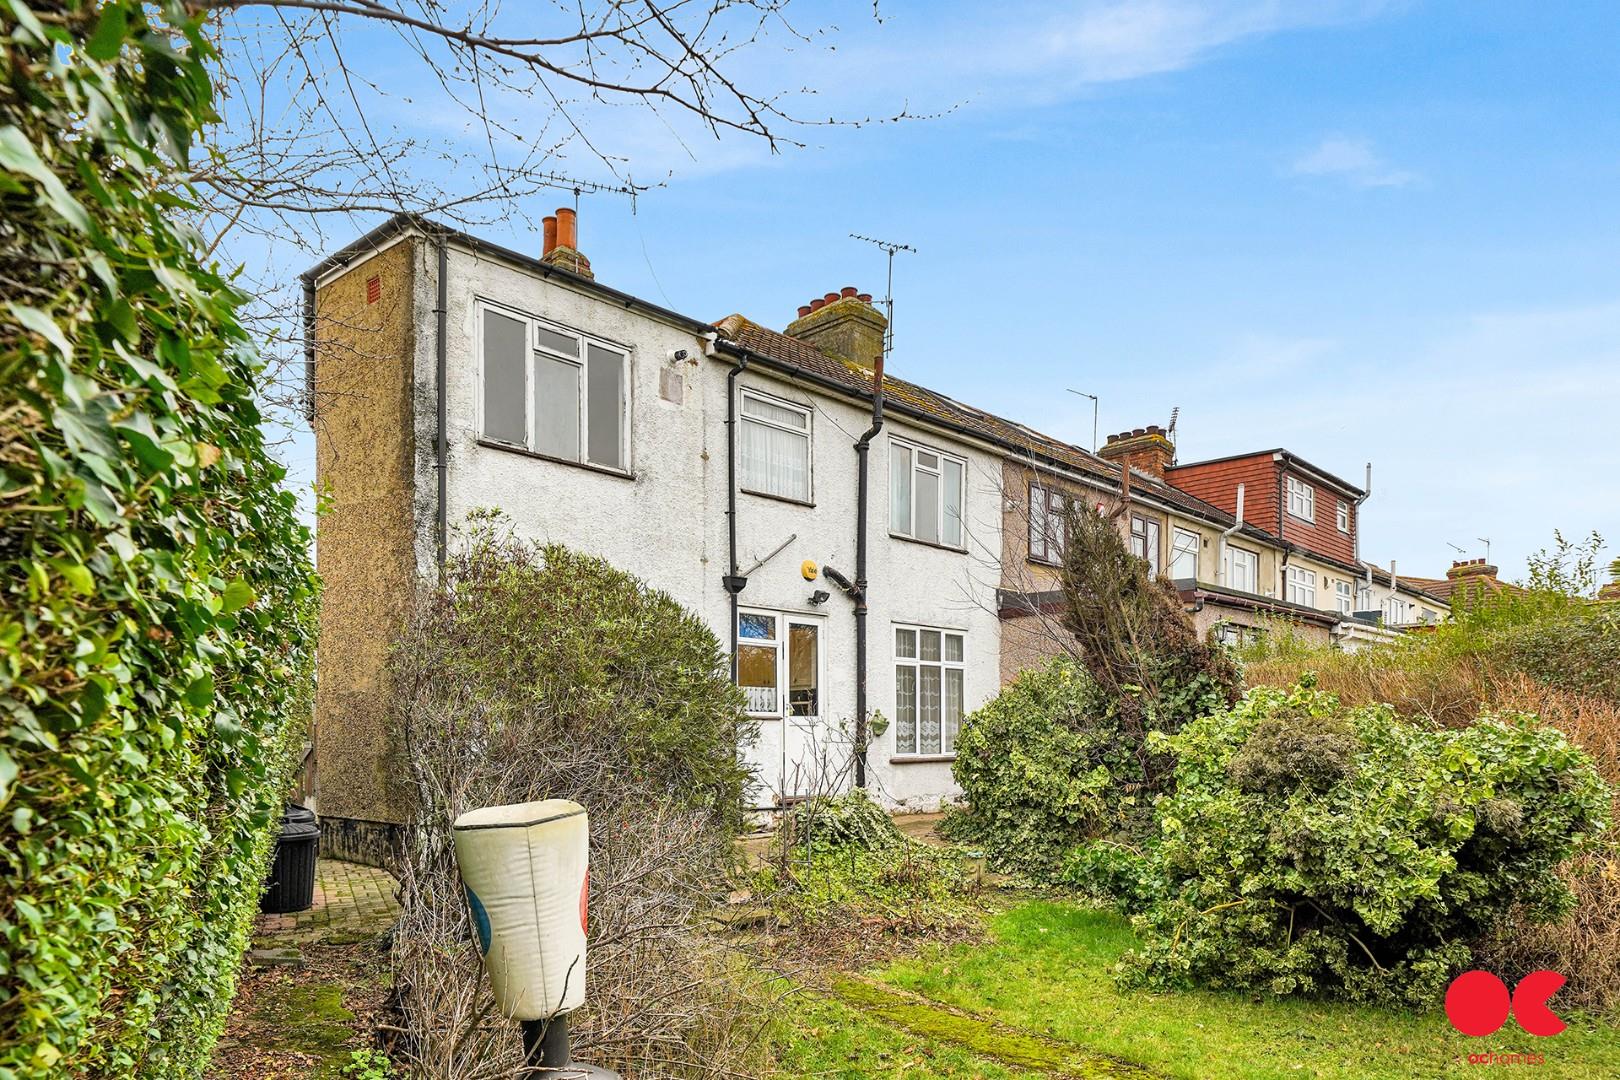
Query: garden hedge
x=156, y=595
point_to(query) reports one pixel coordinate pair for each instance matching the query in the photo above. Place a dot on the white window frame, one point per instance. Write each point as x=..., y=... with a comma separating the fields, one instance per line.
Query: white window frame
x=533, y=324
x=747, y=392
x=1364, y=598
x=1342, y=517
x=1303, y=496
x=1150, y=553
x=1394, y=610
x=915, y=448
x=1253, y=567
x=1177, y=533
x=780, y=642
x=1344, y=594
x=1048, y=508
x=1300, y=586
x=947, y=733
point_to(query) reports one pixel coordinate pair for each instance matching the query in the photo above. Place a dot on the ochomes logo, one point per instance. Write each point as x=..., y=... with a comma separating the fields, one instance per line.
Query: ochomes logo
x=1478, y=1003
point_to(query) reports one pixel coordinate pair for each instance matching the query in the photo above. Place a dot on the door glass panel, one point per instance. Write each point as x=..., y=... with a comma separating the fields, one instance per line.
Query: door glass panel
x=930, y=644
x=506, y=356
x=756, y=674
x=905, y=709
x=556, y=407
x=953, y=503
x=928, y=710
x=756, y=626
x=605, y=405
x=905, y=643
x=927, y=507
x=804, y=670
x=900, y=490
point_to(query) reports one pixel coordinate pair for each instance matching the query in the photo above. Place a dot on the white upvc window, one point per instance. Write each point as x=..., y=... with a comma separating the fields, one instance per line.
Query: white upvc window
x=779, y=664
x=1342, y=515
x=553, y=390
x=1394, y=610
x=1344, y=595
x=1242, y=569
x=1301, y=586
x=774, y=446
x=926, y=490
x=1048, y=523
x=928, y=689
x=1184, y=546
x=1301, y=499
x=1364, y=598
x=1145, y=533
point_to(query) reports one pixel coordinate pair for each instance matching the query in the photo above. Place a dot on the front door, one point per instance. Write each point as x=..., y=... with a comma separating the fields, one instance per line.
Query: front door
x=780, y=668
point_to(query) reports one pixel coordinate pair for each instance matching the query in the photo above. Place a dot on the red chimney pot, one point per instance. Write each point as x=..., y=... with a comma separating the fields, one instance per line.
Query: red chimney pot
x=817, y=304
x=865, y=298
x=548, y=229
x=805, y=309
x=848, y=291
x=567, y=228
x=830, y=298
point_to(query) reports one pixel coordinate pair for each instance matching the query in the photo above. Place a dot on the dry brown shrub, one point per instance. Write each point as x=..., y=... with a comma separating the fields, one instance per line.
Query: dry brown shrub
x=1447, y=690
x=1585, y=945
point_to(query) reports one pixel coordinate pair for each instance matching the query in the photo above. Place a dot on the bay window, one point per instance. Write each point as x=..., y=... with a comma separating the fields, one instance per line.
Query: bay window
x=928, y=689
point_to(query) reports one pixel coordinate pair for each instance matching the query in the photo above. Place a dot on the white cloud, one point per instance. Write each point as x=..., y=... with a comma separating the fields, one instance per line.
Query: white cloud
x=1353, y=160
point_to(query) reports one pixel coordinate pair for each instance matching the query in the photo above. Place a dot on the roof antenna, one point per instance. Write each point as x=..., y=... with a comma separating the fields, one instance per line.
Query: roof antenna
x=889, y=247
x=1487, y=542
x=1093, y=398
x=1454, y=547
x=1170, y=433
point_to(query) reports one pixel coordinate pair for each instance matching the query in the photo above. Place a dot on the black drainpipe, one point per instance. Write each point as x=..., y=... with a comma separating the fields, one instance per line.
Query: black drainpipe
x=734, y=582
x=862, y=446
x=441, y=442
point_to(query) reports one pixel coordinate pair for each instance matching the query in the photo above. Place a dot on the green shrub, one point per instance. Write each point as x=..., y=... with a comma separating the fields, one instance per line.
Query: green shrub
x=1579, y=652
x=157, y=599
x=1313, y=848
x=1036, y=764
x=850, y=819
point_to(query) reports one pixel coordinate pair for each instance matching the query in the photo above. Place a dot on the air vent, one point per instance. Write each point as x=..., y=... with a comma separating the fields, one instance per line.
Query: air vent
x=373, y=289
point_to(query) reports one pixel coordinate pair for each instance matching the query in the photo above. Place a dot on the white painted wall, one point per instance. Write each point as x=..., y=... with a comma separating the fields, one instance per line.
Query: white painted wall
x=667, y=523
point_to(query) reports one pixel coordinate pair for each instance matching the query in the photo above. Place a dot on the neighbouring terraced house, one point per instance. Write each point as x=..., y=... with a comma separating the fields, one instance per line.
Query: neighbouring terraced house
x=722, y=462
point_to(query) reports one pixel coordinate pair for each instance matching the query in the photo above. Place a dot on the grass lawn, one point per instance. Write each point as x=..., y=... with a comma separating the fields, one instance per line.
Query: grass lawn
x=1046, y=969
x=824, y=1037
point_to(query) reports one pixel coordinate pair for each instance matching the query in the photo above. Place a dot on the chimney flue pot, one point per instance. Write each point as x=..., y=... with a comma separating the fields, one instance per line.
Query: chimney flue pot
x=567, y=228
x=548, y=229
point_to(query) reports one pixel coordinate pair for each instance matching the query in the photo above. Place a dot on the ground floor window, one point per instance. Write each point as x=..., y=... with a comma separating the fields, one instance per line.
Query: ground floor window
x=779, y=664
x=1301, y=586
x=928, y=689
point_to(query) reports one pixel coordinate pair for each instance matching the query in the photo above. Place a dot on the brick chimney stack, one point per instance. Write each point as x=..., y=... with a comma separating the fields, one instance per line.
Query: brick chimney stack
x=1146, y=449
x=844, y=325
x=561, y=233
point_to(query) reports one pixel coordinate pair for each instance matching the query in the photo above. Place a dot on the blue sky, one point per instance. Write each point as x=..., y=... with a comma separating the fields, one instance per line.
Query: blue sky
x=1363, y=231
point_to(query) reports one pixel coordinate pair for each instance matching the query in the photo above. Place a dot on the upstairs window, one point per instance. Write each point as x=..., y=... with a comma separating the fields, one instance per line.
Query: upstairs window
x=775, y=447
x=1301, y=499
x=925, y=494
x=1242, y=569
x=1184, y=546
x=1145, y=533
x=1301, y=586
x=1048, y=523
x=1343, y=516
x=556, y=392
x=928, y=674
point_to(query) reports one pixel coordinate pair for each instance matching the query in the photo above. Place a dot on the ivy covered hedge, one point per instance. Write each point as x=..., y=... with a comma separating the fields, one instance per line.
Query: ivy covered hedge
x=156, y=596
x=1314, y=848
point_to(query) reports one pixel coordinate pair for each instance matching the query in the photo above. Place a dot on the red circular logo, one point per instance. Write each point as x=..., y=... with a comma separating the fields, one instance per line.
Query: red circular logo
x=1477, y=1003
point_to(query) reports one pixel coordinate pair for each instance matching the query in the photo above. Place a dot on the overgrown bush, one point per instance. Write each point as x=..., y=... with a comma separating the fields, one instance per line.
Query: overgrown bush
x=1313, y=848
x=1038, y=765
x=844, y=879
x=537, y=672
x=1063, y=753
x=156, y=596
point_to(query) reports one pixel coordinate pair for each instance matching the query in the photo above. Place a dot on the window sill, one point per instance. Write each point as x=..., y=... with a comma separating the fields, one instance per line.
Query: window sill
x=920, y=759
x=1301, y=517
x=1050, y=564
x=523, y=451
x=928, y=543
x=777, y=498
